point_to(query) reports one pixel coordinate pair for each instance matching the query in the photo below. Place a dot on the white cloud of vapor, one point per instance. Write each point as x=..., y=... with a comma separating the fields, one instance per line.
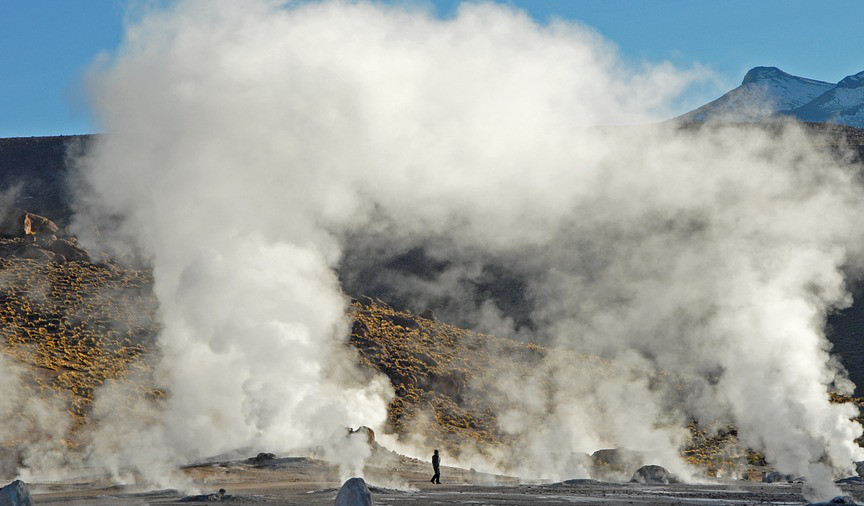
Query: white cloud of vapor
x=248, y=139
x=32, y=424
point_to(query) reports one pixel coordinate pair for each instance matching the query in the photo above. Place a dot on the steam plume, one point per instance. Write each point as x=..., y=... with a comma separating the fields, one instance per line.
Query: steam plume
x=250, y=144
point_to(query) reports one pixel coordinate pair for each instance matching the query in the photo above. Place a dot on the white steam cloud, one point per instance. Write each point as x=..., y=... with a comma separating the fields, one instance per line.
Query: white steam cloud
x=248, y=140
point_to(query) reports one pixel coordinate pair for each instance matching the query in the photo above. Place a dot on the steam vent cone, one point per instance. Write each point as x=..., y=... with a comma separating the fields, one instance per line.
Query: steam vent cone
x=17, y=494
x=354, y=492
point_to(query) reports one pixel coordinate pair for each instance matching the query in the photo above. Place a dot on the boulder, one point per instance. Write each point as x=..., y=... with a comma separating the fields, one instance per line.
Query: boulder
x=68, y=250
x=364, y=431
x=15, y=494
x=837, y=500
x=261, y=459
x=778, y=477
x=19, y=223
x=354, y=492
x=653, y=475
x=38, y=225
x=859, y=468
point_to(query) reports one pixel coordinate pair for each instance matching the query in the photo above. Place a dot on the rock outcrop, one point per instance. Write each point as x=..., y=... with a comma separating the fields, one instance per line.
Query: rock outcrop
x=653, y=475
x=354, y=492
x=35, y=238
x=16, y=222
x=15, y=494
x=778, y=477
x=262, y=459
x=364, y=431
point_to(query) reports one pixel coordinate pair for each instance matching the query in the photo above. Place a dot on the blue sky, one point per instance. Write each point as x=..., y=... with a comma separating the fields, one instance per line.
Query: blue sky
x=46, y=45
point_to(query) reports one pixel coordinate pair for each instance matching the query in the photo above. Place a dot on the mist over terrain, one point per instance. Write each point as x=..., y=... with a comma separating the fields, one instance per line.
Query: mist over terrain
x=270, y=161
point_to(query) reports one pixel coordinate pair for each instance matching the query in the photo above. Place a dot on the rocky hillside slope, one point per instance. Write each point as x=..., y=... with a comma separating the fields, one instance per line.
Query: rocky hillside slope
x=67, y=324
x=446, y=378
x=70, y=326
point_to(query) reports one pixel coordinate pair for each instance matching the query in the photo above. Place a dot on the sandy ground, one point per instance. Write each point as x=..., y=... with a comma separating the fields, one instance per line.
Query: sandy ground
x=307, y=481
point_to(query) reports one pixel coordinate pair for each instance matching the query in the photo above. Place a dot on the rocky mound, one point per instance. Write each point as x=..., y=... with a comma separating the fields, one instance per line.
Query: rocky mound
x=15, y=494
x=653, y=475
x=354, y=492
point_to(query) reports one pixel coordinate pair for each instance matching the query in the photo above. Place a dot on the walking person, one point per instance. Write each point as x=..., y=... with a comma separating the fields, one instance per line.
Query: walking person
x=436, y=466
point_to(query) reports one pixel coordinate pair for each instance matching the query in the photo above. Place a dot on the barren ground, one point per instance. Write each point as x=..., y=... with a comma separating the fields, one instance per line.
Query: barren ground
x=306, y=481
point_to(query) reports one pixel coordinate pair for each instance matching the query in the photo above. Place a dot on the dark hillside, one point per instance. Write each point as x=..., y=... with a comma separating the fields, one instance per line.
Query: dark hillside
x=850, y=136
x=37, y=168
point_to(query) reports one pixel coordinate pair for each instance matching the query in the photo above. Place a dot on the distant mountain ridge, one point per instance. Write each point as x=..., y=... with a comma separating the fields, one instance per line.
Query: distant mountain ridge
x=842, y=104
x=768, y=92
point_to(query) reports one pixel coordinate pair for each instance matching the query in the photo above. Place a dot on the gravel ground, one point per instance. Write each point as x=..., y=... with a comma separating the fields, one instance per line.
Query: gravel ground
x=307, y=481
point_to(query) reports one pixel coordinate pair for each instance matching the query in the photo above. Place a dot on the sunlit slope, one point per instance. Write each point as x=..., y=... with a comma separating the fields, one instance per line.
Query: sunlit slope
x=439, y=372
x=74, y=325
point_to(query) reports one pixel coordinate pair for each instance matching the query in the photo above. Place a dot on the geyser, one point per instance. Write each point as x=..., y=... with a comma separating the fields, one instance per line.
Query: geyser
x=250, y=144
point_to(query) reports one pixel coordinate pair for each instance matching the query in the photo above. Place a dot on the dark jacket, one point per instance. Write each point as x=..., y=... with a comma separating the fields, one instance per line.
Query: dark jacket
x=436, y=461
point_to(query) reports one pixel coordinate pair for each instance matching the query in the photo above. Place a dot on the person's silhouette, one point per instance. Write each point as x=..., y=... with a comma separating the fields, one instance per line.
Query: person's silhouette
x=436, y=466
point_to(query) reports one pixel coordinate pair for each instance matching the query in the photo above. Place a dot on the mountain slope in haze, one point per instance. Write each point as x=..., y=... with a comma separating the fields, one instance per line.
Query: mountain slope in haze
x=35, y=175
x=763, y=92
x=842, y=104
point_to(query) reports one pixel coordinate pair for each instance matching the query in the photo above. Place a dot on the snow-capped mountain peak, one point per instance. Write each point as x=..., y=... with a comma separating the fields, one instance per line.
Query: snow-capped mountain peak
x=842, y=104
x=757, y=74
x=763, y=92
x=762, y=73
